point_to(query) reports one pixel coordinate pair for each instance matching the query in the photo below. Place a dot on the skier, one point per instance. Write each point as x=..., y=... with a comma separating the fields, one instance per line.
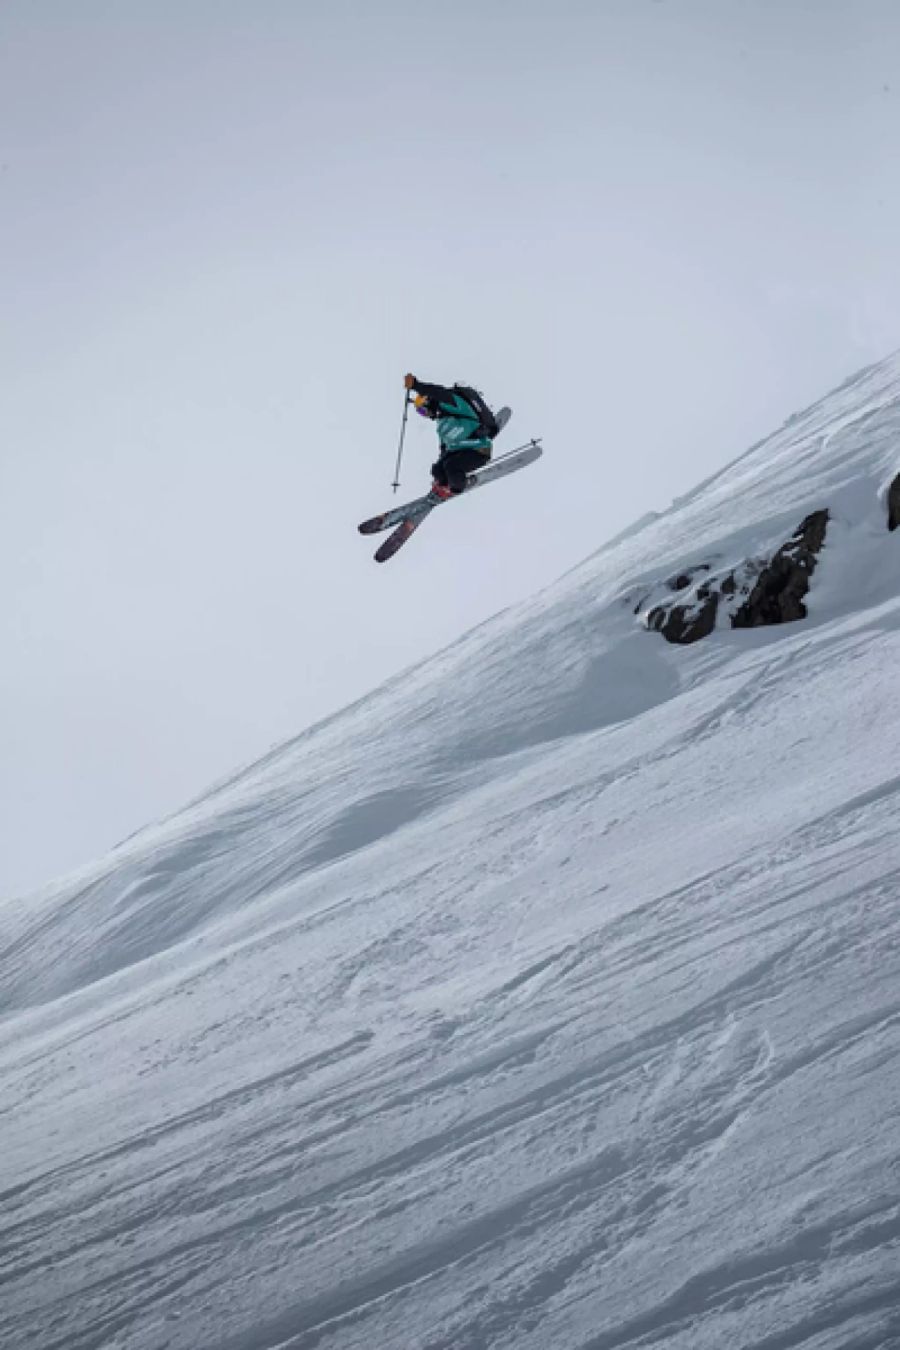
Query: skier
x=466, y=428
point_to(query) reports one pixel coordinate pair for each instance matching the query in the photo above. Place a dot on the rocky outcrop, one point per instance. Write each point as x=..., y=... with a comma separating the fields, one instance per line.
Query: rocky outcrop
x=686, y=622
x=778, y=594
x=753, y=593
x=893, y=504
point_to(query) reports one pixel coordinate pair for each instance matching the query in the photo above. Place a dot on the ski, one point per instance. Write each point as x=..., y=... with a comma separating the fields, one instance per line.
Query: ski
x=400, y=535
x=501, y=419
x=420, y=507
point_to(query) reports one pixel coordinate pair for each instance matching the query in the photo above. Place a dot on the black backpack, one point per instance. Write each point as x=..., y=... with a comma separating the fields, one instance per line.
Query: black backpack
x=485, y=416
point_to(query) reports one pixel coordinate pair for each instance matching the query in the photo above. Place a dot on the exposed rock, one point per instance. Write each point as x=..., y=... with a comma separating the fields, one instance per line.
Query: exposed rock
x=685, y=579
x=893, y=504
x=702, y=592
x=752, y=593
x=778, y=594
x=686, y=623
x=679, y=582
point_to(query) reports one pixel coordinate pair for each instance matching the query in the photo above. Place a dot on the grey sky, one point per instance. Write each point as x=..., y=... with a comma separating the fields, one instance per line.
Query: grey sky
x=227, y=230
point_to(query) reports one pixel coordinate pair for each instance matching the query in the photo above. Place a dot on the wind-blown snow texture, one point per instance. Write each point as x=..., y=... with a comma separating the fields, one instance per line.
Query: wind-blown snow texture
x=547, y=997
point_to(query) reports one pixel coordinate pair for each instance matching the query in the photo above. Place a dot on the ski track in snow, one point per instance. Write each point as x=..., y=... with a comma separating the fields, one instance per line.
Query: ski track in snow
x=548, y=997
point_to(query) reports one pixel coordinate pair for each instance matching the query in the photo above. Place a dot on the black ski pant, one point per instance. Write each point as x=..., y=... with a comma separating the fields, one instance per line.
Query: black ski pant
x=454, y=466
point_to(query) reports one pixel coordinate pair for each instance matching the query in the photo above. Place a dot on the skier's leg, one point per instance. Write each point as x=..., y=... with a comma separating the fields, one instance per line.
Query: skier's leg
x=456, y=474
x=459, y=464
x=439, y=472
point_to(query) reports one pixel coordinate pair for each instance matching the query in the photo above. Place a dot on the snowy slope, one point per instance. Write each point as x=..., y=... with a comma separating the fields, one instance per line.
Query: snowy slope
x=547, y=997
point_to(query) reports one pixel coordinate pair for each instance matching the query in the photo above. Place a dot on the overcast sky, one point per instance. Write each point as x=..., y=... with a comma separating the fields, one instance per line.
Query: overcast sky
x=227, y=229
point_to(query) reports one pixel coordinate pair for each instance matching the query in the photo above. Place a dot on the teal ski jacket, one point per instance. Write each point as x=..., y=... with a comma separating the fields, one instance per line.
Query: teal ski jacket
x=460, y=423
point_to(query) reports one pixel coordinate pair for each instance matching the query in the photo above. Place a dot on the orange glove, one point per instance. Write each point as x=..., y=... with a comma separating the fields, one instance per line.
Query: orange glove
x=409, y=381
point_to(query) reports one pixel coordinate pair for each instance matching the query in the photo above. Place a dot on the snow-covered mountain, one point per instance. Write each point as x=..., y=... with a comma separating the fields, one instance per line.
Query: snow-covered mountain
x=548, y=997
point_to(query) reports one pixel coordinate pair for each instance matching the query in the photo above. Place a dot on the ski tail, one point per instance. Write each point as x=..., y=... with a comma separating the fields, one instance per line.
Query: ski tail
x=399, y=537
x=376, y=523
x=373, y=525
x=396, y=516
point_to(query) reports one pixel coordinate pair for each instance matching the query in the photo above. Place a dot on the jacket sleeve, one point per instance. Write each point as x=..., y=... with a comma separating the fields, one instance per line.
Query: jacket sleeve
x=435, y=393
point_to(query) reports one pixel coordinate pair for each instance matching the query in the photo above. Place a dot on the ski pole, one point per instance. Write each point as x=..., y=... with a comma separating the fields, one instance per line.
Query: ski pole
x=396, y=482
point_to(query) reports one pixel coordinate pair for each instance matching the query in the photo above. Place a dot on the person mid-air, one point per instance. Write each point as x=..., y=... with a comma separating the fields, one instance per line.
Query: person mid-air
x=466, y=429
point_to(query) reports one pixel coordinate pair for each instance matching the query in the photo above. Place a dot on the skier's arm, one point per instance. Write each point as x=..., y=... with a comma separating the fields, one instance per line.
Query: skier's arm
x=435, y=393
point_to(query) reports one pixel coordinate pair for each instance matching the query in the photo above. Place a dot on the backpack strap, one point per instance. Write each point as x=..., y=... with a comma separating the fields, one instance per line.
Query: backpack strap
x=485, y=416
